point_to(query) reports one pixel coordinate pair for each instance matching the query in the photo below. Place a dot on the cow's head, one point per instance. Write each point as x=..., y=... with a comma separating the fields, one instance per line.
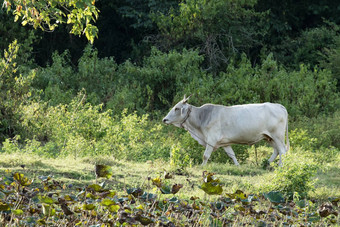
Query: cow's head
x=179, y=113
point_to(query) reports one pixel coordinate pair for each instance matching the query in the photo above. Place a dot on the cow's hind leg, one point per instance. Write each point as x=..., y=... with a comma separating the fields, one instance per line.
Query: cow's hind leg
x=207, y=153
x=279, y=149
x=231, y=154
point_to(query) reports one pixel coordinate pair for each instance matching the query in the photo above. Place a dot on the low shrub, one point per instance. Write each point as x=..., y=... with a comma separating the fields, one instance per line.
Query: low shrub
x=296, y=176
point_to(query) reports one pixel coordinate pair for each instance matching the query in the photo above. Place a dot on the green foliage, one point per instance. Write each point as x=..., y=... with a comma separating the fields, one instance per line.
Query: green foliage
x=299, y=138
x=309, y=48
x=332, y=60
x=80, y=129
x=219, y=28
x=47, y=15
x=15, y=89
x=295, y=176
x=304, y=92
x=162, y=76
x=179, y=157
x=44, y=200
x=325, y=128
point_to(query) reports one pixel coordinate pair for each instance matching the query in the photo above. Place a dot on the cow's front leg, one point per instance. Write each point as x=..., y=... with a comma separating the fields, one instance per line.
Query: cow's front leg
x=207, y=153
x=231, y=154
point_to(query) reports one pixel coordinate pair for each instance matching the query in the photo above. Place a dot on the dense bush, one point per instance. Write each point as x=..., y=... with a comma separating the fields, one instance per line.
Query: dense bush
x=15, y=89
x=295, y=176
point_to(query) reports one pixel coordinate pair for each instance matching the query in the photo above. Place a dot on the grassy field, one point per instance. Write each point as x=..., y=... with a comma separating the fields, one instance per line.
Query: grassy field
x=80, y=172
x=75, y=175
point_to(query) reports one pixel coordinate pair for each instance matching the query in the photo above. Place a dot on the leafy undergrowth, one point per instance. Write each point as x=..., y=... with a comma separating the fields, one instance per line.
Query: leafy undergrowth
x=43, y=200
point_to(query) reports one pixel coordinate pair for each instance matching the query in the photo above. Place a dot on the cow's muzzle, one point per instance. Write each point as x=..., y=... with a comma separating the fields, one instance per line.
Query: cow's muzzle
x=165, y=120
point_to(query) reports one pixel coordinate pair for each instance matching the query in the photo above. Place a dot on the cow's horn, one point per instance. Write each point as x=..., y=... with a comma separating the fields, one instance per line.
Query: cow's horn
x=186, y=99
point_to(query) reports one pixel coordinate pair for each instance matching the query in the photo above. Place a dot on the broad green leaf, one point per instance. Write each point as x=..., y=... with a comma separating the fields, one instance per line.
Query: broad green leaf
x=274, y=197
x=239, y=207
x=95, y=187
x=165, y=189
x=88, y=206
x=107, y=202
x=46, y=199
x=91, y=196
x=113, y=208
x=103, y=171
x=18, y=212
x=212, y=188
x=4, y=206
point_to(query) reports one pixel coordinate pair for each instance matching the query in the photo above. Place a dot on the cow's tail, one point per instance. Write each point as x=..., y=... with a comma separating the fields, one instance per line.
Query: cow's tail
x=287, y=138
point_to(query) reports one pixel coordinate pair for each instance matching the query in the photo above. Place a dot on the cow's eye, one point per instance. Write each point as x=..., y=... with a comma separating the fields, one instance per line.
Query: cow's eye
x=176, y=109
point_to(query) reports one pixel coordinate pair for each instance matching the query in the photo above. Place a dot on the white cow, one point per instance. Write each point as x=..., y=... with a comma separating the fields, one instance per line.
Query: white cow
x=215, y=126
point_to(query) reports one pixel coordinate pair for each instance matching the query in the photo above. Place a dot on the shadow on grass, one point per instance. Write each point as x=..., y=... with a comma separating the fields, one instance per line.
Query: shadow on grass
x=243, y=170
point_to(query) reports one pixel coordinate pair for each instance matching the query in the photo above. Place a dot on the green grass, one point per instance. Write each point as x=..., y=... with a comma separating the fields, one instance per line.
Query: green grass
x=80, y=172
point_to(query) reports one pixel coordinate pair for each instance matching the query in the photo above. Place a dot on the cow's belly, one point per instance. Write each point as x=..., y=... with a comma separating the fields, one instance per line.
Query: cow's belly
x=242, y=139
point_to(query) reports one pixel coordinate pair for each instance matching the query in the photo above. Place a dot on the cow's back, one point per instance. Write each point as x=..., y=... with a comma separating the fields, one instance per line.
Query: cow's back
x=246, y=123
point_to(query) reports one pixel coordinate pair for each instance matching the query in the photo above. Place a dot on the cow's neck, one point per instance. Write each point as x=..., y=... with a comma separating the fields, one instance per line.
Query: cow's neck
x=192, y=122
x=192, y=125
